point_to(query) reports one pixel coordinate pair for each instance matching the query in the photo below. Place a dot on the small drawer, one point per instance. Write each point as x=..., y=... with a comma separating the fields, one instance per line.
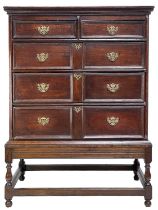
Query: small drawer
x=44, y=29
x=112, y=29
x=42, y=88
x=113, y=87
x=113, y=122
x=114, y=55
x=42, y=56
x=42, y=123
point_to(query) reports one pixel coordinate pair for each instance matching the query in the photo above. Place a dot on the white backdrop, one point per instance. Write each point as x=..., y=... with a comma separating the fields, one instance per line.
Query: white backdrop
x=77, y=179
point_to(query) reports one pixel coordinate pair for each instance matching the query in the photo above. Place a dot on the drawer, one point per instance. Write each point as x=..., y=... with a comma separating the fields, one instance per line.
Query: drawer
x=44, y=29
x=113, y=87
x=42, y=56
x=114, y=55
x=112, y=29
x=42, y=123
x=113, y=122
x=46, y=87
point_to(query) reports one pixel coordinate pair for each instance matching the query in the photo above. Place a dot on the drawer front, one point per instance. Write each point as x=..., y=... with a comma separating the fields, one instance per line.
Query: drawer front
x=113, y=122
x=114, y=55
x=112, y=29
x=42, y=56
x=42, y=123
x=44, y=29
x=116, y=87
x=42, y=87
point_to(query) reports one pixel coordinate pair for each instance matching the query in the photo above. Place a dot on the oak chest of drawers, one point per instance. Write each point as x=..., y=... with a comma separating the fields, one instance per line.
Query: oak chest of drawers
x=78, y=89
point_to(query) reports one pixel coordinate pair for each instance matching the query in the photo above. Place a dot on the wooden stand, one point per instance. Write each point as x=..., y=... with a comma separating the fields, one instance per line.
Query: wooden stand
x=74, y=149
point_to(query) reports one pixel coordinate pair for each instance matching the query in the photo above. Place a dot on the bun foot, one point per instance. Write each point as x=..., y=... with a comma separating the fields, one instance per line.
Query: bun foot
x=147, y=203
x=8, y=203
x=136, y=177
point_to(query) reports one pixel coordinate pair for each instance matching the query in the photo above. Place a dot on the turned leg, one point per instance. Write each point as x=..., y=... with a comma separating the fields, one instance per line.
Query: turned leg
x=136, y=166
x=22, y=167
x=148, y=187
x=8, y=186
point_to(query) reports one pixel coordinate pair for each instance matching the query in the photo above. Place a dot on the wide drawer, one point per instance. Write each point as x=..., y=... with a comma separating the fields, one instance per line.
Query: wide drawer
x=42, y=56
x=114, y=87
x=103, y=28
x=42, y=123
x=46, y=87
x=113, y=122
x=44, y=29
x=78, y=122
x=114, y=55
x=86, y=87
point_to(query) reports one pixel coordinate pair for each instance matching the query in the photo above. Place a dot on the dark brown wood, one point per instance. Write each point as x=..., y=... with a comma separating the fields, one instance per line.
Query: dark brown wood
x=141, y=177
x=57, y=29
x=78, y=149
x=136, y=167
x=147, y=176
x=112, y=10
x=80, y=167
x=8, y=186
x=26, y=88
x=22, y=167
x=60, y=102
x=27, y=123
x=131, y=87
x=130, y=55
x=16, y=177
x=98, y=28
x=78, y=192
x=130, y=122
x=25, y=56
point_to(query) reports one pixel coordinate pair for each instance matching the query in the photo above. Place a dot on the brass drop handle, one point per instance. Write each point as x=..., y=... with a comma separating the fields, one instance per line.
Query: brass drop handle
x=43, y=30
x=113, y=121
x=77, y=109
x=42, y=87
x=42, y=57
x=112, y=30
x=113, y=87
x=112, y=56
x=43, y=120
x=77, y=76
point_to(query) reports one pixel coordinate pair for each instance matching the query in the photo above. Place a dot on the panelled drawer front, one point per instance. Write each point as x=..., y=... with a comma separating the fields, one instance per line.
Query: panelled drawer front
x=105, y=87
x=112, y=29
x=42, y=56
x=42, y=123
x=44, y=29
x=113, y=122
x=114, y=55
x=42, y=87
